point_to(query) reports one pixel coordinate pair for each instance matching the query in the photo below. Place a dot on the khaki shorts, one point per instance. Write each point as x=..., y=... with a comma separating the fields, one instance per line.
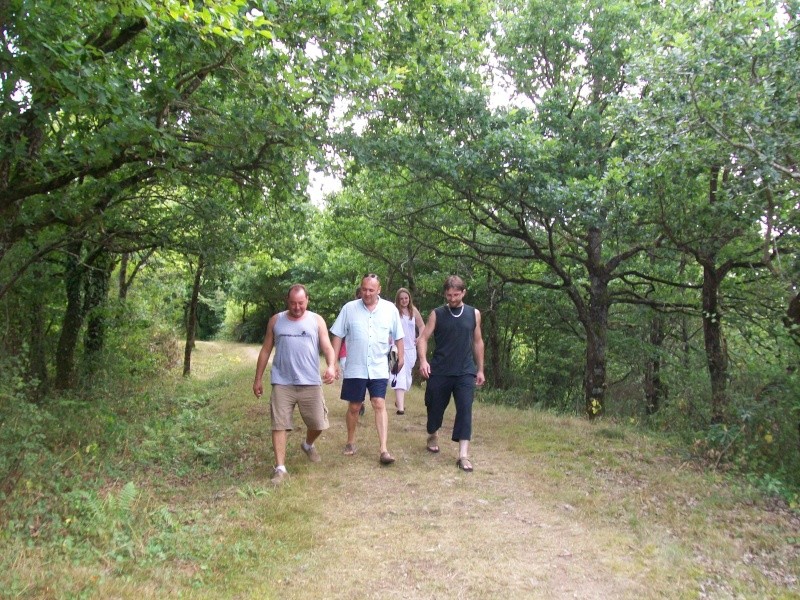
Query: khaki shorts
x=309, y=400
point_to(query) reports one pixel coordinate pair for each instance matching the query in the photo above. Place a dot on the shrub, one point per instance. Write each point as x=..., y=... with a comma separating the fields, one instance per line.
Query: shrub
x=22, y=427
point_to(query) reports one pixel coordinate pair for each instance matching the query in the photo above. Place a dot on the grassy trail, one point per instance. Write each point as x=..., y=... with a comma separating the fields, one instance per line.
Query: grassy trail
x=556, y=508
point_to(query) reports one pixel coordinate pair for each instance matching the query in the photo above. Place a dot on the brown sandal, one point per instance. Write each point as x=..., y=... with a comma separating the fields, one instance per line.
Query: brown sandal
x=464, y=464
x=433, y=443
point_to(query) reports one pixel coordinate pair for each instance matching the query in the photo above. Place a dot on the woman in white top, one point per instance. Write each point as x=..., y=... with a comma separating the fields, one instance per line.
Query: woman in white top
x=412, y=324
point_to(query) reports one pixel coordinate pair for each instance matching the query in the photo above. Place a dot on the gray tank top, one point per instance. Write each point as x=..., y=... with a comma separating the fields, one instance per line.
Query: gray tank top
x=296, y=360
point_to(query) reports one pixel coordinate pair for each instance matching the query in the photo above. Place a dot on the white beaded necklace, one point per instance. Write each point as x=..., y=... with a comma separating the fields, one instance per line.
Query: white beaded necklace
x=451, y=311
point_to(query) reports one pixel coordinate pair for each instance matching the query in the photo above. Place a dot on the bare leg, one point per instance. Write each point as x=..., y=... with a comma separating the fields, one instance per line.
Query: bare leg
x=279, y=446
x=463, y=448
x=352, y=421
x=311, y=436
x=381, y=421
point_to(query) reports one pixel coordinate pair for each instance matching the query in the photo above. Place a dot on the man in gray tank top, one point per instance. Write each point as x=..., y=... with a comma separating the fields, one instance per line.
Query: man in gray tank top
x=298, y=336
x=455, y=368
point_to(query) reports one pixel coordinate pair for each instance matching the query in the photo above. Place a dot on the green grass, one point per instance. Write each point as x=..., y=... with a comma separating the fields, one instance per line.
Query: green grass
x=166, y=494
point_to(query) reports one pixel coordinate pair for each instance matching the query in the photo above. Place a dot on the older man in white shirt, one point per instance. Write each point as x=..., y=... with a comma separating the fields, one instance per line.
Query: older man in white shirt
x=369, y=324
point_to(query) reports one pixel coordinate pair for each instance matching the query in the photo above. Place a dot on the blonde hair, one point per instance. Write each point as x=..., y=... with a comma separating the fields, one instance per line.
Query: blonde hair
x=411, y=306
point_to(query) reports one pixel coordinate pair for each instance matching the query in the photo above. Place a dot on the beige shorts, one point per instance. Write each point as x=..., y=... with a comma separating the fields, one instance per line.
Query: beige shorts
x=309, y=400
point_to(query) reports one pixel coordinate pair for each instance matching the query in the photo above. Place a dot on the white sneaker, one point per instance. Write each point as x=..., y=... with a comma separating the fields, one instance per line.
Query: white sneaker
x=279, y=476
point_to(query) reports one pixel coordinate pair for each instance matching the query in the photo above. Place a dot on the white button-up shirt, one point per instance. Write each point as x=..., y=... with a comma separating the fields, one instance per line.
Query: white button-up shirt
x=367, y=334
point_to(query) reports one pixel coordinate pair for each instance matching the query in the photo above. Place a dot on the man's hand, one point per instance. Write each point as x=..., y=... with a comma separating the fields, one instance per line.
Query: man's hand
x=425, y=369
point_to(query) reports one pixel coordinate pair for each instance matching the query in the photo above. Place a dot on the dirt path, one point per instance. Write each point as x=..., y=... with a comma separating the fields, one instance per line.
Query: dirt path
x=423, y=529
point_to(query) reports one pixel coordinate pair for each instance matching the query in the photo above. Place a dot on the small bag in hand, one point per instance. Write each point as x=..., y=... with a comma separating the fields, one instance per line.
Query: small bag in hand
x=394, y=363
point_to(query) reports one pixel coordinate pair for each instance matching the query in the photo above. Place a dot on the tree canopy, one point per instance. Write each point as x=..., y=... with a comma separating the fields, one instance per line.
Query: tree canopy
x=616, y=181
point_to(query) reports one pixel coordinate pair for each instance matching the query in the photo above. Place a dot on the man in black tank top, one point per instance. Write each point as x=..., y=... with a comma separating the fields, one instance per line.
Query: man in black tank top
x=455, y=368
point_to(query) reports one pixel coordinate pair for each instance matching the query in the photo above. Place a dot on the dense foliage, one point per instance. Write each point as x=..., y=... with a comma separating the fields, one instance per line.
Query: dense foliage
x=617, y=182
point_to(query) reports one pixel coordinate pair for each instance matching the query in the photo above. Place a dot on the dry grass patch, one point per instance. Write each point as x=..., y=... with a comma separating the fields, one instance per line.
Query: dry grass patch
x=557, y=508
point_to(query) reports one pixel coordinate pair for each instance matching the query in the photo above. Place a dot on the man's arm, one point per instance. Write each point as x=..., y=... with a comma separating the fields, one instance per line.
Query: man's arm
x=263, y=357
x=400, y=353
x=338, y=332
x=477, y=349
x=336, y=345
x=400, y=343
x=422, y=345
x=327, y=351
x=418, y=322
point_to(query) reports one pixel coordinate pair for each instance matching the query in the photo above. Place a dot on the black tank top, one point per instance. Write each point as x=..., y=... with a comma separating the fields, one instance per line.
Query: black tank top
x=454, y=338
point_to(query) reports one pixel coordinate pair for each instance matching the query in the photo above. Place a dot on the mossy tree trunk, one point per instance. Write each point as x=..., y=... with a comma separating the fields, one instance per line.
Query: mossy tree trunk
x=191, y=318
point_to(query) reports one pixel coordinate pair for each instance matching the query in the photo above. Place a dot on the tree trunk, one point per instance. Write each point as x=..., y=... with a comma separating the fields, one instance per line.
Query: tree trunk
x=37, y=356
x=492, y=328
x=126, y=276
x=596, y=327
x=97, y=283
x=73, y=319
x=594, y=380
x=792, y=319
x=686, y=349
x=191, y=319
x=123, y=276
x=653, y=386
x=716, y=357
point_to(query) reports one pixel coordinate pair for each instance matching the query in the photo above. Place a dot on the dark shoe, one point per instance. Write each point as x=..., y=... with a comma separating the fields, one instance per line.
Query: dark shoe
x=349, y=449
x=386, y=458
x=362, y=410
x=401, y=412
x=433, y=443
x=464, y=464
